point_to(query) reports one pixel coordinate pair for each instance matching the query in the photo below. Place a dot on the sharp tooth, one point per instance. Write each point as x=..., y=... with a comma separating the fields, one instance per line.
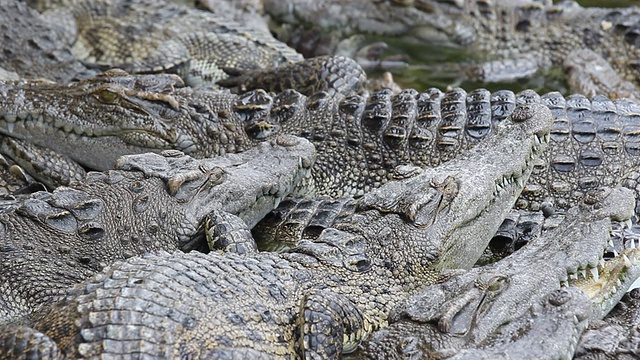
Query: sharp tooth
x=610, y=242
x=626, y=260
x=583, y=272
x=601, y=262
x=618, y=282
x=573, y=276
x=10, y=126
x=632, y=244
x=595, y=274
x=628, y=223
x=615, y=253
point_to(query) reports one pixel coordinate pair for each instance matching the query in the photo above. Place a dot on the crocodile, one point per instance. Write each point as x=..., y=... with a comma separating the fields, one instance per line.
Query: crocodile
x=42, y=54
x=53, y=240
x=617, y=336
x=324, y=296
x=158, y=36
x=475, y=310
x=503, y=40
x=593, y=139
x=142, y=113
x=549, y=330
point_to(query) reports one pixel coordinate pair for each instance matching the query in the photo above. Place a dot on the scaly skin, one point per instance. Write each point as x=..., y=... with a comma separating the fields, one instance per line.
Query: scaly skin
x=593, y=143
x=549, y=330
x=146, y=36
x=617, y=336
x=322, y=298
x=51, y=241
x=139, y=114
x=473, y=310
x=508, y=39
x=32, y=48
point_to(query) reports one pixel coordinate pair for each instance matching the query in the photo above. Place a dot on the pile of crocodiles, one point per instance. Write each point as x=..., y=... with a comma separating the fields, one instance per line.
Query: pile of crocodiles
x=178, y=183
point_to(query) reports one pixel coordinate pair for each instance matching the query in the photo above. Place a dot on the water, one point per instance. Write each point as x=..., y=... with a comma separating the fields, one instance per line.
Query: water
x=427, y=67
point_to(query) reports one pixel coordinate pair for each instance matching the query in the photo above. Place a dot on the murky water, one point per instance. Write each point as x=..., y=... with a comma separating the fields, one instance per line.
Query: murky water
x=427, y=65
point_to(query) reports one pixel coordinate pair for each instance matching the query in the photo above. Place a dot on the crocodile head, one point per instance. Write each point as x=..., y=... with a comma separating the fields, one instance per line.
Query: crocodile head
x=449, y=213
x=476, y=308
x=490, y=187
x=114, y=111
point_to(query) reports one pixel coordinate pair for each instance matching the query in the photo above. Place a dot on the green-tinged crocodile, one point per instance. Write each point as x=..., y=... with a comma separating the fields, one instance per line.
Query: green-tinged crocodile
x=324, y=296
x=360, y=139
x=503, y=40
x=51, y=241
x=475, y=310
x=160, y=36
x=617, y=336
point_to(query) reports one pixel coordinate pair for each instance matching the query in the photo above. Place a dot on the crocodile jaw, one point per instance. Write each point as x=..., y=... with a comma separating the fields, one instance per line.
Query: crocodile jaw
x=490, y=189
x=611, y=281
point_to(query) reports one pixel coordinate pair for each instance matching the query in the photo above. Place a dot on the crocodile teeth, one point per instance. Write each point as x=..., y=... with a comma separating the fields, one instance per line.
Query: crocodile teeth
x=583, y=272
x=615, y=253
x=618, y=282
x=601, y=262
x=632, y=244
x=573, y=276
x=628, y=223
x=610, y=243
x=595, y=274
x=626, y=260
x=564, y=283
x=10, y=126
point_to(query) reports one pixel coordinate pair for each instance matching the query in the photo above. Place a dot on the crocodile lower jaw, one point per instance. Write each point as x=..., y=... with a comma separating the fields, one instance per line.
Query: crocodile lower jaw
x=606, y=283
x=23, y=124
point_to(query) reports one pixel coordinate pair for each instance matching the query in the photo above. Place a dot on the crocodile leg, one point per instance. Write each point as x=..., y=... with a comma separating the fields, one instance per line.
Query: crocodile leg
x=47, y=166
x=333, y=74
x=21, y=342
x=589, y=73
x=329, y=324
x=227, y=232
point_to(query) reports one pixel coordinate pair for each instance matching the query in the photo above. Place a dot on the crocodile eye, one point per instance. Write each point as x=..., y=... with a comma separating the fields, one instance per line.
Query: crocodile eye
x=107, y=96
x=405, y=3
x=497, y=283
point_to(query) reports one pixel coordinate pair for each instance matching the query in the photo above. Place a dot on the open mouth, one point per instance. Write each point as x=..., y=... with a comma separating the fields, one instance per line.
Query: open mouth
x=605, y=281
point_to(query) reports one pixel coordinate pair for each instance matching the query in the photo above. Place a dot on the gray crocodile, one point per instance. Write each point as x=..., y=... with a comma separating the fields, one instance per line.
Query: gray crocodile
x=324, y=296
x=51, y=241
x=617, y=336
x=477, y=310
x=593, y=139
x=502, y=40
x=549, y=330
x=32, y=48
x=140, y=113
